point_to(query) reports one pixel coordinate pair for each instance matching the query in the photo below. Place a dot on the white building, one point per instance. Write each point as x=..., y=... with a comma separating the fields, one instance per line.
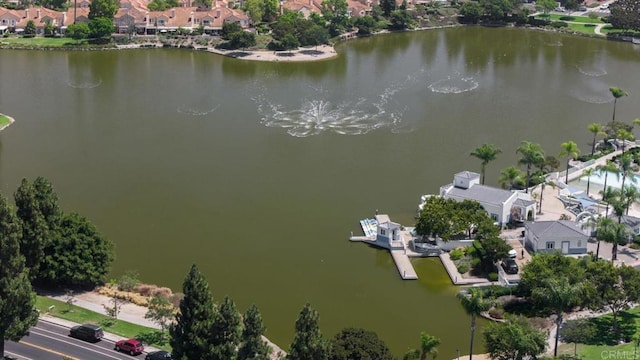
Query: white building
x=502, y=205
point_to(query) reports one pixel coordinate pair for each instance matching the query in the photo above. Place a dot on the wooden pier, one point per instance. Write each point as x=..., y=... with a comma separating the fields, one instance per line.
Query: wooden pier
x=405, y=268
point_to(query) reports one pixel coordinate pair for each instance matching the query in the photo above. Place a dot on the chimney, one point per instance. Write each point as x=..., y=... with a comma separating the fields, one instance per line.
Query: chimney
x=64, y=19
x=217, y=13
x=38, y=14
x=310, y=2
x=173, y=13
x=26, y=13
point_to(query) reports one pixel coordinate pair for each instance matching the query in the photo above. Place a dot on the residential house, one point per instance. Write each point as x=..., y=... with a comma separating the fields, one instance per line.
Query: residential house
x=9, y=19
x=502, y=205
x=303, y=7
x=389, y=233
x=565, y=236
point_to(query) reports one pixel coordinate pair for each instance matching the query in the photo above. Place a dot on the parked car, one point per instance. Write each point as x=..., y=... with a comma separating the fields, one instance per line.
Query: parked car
x=131, y=346
x=513, y=253
x=87, y=332
x=158, y=355
x=582, y=8
x=509, y=265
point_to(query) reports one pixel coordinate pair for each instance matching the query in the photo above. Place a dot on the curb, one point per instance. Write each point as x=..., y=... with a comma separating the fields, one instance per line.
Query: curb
x=109, y=337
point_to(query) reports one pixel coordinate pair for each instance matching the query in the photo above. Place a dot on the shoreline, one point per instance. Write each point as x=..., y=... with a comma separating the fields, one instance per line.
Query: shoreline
x=11, y=121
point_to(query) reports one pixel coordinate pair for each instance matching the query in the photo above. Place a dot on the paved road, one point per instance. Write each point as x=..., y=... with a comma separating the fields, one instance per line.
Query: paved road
x=48, y=341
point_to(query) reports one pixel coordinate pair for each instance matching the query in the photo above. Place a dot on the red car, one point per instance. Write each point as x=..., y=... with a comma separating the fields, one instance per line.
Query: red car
x=131, y=346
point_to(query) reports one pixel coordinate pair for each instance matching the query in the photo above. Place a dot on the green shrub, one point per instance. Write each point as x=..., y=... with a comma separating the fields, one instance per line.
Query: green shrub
x=456, y=254
x=463, y=268
x=496, y=313
x=493, y=276
x=559, y=24
x=567, y=18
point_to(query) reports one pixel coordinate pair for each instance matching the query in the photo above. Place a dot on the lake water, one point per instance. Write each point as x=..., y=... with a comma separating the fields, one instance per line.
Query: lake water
x=258, y=172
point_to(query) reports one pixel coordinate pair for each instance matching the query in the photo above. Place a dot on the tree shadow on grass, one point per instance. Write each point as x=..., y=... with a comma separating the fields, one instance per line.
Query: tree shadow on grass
x=238, y=54
x=311, y=52
x=604, y=334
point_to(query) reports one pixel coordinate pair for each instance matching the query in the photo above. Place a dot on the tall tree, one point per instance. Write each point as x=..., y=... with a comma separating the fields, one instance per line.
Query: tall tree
x=615, y=288
x=387, y=7
x=516, y=339
x=485, y=153
x=474, y=304
x=509, y=176
x=588, y=173
x=531, y=155
x=624, y=14
x=626, y=168
x=191, y=332
x=607, y=168
x=358, y=344
x=34, y=227
x=308, y=343
x=160, y=311
x=571, y=151
x=631, y=195
x=79, y=256
x=103, y=9
x=226, y=330
x=596, y=129
x=624, y=135
x=253, y=346
x=559, y=296
x=617, y=93
x=336, y=12
x=17, y=300
x=428, y=346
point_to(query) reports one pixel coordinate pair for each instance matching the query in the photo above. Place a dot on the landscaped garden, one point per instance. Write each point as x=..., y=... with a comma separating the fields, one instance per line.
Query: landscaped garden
x=4, y=121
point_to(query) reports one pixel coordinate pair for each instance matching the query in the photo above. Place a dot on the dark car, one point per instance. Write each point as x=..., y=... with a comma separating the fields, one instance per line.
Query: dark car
x=131, y=346
x=509, y=265
x=158, y=355
x=87, y=332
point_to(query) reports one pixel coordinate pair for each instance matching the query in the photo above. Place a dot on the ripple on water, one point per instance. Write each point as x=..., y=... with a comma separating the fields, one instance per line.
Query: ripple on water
x=355, y=117
x=454, y=85
x=84, y=85
x=592, y=70
x=592, y=92
x=196, y=112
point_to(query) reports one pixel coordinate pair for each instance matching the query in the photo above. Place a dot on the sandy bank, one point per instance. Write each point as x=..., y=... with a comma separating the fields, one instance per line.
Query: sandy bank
x=321, y=52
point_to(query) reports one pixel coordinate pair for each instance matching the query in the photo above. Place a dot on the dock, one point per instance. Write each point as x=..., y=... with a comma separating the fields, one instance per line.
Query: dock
x=383, y=233
x=405, y=268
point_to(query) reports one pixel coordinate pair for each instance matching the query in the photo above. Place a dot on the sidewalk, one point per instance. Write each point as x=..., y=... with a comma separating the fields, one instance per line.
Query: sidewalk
x=128, y=312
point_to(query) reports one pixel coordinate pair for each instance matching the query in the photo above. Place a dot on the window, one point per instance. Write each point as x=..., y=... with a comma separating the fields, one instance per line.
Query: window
x=494, y=217
x=382, y=232
x=579, y=243
x=4, y=22
x=160, y=22
x=206, y=22
x=550, y=245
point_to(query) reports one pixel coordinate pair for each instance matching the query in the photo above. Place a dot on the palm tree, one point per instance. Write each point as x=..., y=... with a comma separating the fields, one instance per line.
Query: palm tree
x=532, y=155
x=486, y=153
x=509, y=175
x=428, y=346
x=626, y=168
x=560, y=296
x=596, y=129
x=620, y=230
x=571, y=151
x=624, y=135
x=606, y=168
x=542, y=180
x=474, y=304
x=617, y=93
x=631, y=195
x=587, y=173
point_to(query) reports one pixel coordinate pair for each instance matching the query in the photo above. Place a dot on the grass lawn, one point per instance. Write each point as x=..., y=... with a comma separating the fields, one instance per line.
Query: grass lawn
x=3, y=120
x=579, y=19
x=39, y=41
x=627, y=324
x=81, y=315
x=583, y=28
